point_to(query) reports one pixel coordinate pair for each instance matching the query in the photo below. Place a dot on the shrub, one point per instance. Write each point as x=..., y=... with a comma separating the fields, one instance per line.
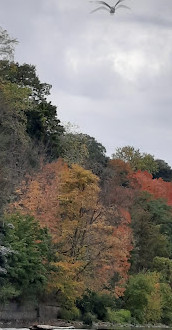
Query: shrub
x=120, y=316
x=70, y=314
x=96, y=304
x=89, y=318
x=166, y=293
x=7, y=292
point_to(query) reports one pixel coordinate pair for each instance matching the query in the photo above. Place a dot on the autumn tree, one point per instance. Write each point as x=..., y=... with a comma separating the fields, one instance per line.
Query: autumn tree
x=93, y=242
x=39, y=196
x=117, y=187
x=117, y=197
x=87, y=221
x=79, y=237
x=120, y=172
x=157, y=187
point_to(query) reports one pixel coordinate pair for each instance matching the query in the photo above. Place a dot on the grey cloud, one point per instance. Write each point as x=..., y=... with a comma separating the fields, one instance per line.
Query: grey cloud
x=111, y=75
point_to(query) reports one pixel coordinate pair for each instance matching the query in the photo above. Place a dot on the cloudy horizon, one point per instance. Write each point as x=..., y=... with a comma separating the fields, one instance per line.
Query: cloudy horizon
x=110, y=74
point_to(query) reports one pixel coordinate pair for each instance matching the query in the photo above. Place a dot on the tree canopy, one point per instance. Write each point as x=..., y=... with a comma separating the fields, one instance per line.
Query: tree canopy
x=88, y=233
x=137, y=160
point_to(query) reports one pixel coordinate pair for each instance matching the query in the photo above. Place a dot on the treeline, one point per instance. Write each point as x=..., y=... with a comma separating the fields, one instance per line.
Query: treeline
x=76, y=227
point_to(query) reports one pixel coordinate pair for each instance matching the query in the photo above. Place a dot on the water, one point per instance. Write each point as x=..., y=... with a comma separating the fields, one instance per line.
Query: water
x=114, y=328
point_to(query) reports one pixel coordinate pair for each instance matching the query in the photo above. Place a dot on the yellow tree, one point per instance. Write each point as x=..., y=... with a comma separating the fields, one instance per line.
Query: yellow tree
x=89, y=235
x=80, y=211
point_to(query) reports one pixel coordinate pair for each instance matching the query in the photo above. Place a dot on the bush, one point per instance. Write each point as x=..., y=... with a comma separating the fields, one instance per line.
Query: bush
x=166, y=294
x=89, y=318
x=7, y=292
x=120, y=316
x=70, y=314
x=96, y=304
x=167, y=319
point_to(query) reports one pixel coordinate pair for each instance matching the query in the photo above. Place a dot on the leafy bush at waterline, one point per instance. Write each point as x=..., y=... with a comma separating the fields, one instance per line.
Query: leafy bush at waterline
x=95, y=304
x=120, y=316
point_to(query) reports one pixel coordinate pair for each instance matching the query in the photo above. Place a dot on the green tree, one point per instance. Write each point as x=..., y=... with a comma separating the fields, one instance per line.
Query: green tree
x=28, y=264
x=164, y=171
x=137, y=160
x=151, y=223
x=42, y=123
x=7, y=290
x=74, y=149
x=164, y=266
x=97, y=160
x=166, y=293
x=29, y=127
x=84, y=150
x=4, y=251
x=162, y=217
x=18, y=155
x=143, y=297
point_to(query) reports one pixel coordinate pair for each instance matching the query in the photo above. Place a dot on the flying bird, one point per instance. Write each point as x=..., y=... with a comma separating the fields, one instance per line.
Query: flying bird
x=106, y=6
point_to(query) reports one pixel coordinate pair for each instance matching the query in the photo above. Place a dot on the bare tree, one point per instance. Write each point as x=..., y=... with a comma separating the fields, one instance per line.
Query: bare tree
x=7, y=45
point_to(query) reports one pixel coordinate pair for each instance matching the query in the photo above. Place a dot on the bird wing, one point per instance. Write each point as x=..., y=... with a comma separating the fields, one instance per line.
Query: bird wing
x=104, y=3
x=118, y=2
x=93, y=11
x=123, y=6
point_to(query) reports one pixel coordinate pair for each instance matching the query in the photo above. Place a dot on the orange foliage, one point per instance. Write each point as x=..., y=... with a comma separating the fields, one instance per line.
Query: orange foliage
x=39, y=196
x=115, y=259
x=157, y=187
x=95, y=240
x=117, y=195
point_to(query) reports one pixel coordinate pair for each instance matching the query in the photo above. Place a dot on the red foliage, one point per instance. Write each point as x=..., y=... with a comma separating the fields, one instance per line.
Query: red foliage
x=157, y=187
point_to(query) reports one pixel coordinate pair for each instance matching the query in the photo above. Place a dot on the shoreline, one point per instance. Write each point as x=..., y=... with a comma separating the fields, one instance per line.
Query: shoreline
x=63, y=324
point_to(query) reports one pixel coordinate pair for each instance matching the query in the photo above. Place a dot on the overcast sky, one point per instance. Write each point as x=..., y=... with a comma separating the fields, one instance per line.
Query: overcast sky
x=111, y=74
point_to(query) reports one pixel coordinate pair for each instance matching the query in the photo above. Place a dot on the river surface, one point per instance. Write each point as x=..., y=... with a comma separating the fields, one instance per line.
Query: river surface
x=114, y=328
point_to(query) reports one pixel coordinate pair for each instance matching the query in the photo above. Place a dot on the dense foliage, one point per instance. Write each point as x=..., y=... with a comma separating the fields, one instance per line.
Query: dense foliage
x=28, y=258
x=90, y=233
